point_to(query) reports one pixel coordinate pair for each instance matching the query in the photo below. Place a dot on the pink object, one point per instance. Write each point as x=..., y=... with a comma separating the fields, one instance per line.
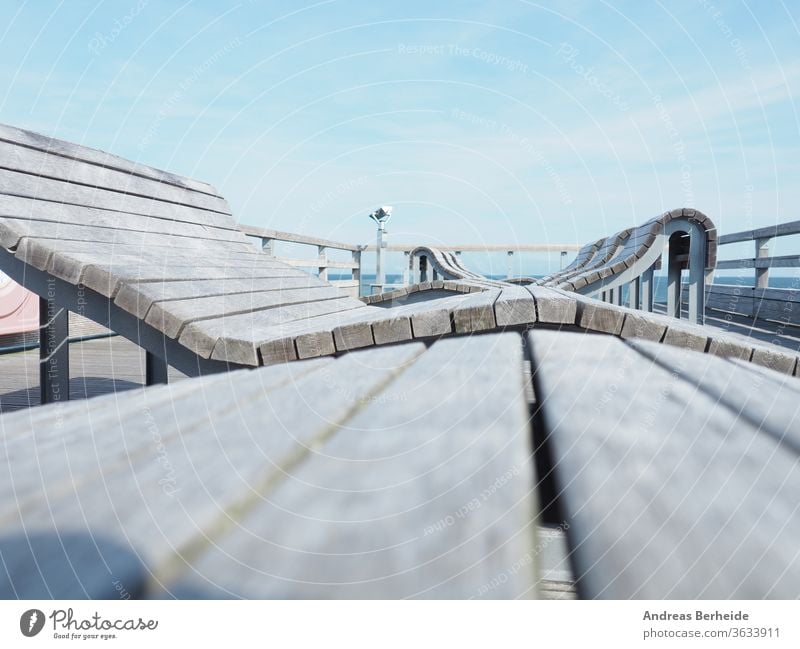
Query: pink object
x=19, y=308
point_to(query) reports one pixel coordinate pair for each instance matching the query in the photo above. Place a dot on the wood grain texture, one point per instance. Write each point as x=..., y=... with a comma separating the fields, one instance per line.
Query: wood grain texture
x=671, y=491
x=39, y=163
x=70, y=150
x=420, y=493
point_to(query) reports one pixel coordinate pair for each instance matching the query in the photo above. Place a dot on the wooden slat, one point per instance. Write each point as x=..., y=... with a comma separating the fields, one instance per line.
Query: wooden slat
x=35, y=187
x=476, y=312
x=101, y=158
x=171, y=317
x=237, y=335
x=515, y=306
x=554, y=306
x=137, y=298
x=422, y=493
x=49, y=253
x=167, y=475
x=670, y=490
x=38, y=218
x=38, y=163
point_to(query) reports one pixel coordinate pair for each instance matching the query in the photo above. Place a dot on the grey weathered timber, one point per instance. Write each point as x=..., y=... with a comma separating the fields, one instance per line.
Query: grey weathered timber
x=182, y=471
x=394, y=504
x=170, y=317
x=476, y=312
x=34, y=217
x=137, y=298
x=236, y=335
x=631, y=254
x=554, y=306
x=291, y=237
x=37, y=187
x=780, y=261
x=70, y=151
x=41, y=163
x=515, y=306
x=692, y=494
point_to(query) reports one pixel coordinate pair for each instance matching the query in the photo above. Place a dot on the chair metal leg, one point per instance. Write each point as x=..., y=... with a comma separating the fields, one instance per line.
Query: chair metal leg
x=647, y=290
x=156, y=369
x=53, y=352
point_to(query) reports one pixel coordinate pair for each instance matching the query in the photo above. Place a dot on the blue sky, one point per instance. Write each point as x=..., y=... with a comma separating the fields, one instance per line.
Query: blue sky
x=478, y=121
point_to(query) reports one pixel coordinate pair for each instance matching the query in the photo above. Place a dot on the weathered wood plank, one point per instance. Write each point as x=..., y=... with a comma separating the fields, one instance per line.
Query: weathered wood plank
x=38, y=163
x=100, y=158
x=554, y=306
x=36, y=187
x=39, y=218
x=395, y=504
x=54, y=253
x=669, y=491
x=137, y=298
x=476, y=312
x=172, y=316
x=162, y=479
x=237, y=334
x=515, y=306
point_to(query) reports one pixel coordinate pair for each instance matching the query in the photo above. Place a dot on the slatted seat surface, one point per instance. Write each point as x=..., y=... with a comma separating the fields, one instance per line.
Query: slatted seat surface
x=407, y=471
x=678, y=473
x=341, y=477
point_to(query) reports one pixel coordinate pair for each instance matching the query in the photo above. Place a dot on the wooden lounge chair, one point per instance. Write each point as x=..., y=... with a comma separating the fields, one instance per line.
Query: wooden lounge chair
x=415, y=471
x=159, y=259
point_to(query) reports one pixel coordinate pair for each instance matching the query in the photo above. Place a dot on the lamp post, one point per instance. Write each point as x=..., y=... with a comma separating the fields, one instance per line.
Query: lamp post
x=381, y=216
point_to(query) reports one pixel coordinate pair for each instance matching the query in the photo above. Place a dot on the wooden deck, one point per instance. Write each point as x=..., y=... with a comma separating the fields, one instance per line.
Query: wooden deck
x=778, y=334
x=97, y=367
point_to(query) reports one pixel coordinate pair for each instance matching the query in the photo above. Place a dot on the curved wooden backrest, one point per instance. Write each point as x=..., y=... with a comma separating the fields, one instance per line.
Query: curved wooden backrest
x=160, y=246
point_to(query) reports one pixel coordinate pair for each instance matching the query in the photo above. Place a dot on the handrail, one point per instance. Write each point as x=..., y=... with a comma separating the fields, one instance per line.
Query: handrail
x=321, y=263
x=291, y=237
x=477, y=247
x=762, y=261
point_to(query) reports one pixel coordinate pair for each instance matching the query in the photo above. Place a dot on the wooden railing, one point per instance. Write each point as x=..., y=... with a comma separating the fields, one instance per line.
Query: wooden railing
x=269, y=237
x=510, y=249
x=758, y=301
x=761, y=262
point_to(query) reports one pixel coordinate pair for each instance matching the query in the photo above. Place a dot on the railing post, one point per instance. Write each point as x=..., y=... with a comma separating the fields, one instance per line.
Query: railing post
x=323, y=263
x=510, y=265
x=268, y=246
x=357, y=270
x=53, y=350
x=762, y=251
x=423, y=268
x=408, y=268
